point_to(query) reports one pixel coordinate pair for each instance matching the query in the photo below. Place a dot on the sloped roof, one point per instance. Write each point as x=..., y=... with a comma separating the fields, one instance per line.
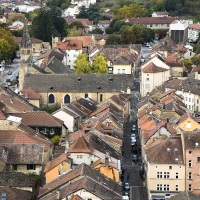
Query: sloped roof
x=16, y=179
x=52, y=164
x=92, y=181
x=152, y=68
x=80, y=146
x=186, y=195
x=85, y=40
x=190, y=139
x=40, y=118
x=79, y=82
x=166, y=152
x=22, y=153
x=14, y=103
x=30, y=94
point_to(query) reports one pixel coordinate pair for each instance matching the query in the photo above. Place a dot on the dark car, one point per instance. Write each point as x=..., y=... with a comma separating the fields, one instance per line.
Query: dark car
x=135, y=158
x=9, y=73
x=8, y=80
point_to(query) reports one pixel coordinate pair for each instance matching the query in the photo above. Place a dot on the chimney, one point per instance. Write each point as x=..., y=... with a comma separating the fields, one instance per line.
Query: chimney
x=107, y=159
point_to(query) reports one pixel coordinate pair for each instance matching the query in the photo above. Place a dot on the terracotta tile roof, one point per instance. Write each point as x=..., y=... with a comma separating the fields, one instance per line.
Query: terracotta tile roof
x=152, y=68
x=85, y=40
x=70, y=44
x=195, y=69
x=30, y=94
x=13, y=193
x=2, y=115
x=166, y=93
x=153, y=20
x=14, y=103
x=80, y=146
x=76, y=197
x=155, y=142
x=190, y=139
x=167, y=100
x=39, y=119
x=24, y=135
x=194, y=26
x=85, y=22
x=52, y=164
x=183, y=118
x=74, y=136
x=167, y=152
x=83, y=177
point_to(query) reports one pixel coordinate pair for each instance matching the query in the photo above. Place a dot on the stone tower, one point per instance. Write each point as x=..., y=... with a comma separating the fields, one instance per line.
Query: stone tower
x=26, y=49
x=25, y=53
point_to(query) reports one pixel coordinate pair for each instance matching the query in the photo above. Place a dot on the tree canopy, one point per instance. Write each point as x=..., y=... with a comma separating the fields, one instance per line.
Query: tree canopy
x=82, y=64
x=131, y=10
x=99, y=65
x=7, y=45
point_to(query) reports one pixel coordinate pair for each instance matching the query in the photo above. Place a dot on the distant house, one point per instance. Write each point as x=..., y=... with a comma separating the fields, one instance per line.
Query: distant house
x=160, y=14
x=85, y=3
x=193, y=32
x=26, y=7
x=103, y=24
x=153, y=73
x=26, y=158
x=71, y=11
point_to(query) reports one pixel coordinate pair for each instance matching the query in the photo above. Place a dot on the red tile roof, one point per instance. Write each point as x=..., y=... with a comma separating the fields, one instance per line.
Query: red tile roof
x=14, y=103
x=80, y=146
x=39, y=118
x=30, y=94
x=152, y=68
x=194, y=26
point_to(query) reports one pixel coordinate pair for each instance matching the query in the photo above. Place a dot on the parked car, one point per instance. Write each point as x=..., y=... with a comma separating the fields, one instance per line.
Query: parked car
x=133, y=135
x=133, y=128
x=8, y=80
x=125, y=197
x=147, y=44
x=133, y=143
x=9, y=73
x=135, y=158
x=126, y=186
x=133, y=140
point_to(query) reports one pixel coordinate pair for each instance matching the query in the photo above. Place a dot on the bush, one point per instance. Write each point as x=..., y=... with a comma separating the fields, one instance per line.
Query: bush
x=56, y=139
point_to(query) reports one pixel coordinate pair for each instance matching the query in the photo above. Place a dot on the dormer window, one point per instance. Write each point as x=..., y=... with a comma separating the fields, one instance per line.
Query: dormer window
x=188, y=125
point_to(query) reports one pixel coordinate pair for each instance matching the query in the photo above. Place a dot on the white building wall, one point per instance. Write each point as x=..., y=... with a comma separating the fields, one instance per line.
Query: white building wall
x=86, y=158
x=71, y=56
x=193, y=34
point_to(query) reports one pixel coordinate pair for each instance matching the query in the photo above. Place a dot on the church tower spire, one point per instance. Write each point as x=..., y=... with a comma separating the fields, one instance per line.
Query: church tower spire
x=25, y=50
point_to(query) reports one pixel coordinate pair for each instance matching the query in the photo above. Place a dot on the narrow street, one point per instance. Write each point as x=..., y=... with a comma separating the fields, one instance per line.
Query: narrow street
x=132, y=169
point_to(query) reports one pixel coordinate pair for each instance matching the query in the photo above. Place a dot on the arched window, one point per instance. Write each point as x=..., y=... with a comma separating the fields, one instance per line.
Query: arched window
x=67, y=99
x=101, y=97
x=51, y=98
x=86, y=95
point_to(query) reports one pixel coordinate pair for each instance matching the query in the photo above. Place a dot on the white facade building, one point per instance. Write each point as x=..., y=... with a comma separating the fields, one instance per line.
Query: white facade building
x=153, y=73
x=72, y=11
x=85, y=3
x=178, y=30
x=193, y=32
x=26, y=7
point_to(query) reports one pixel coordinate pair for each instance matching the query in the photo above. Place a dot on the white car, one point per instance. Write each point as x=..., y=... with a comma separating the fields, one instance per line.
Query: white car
x=133, y=135
x=133, y=140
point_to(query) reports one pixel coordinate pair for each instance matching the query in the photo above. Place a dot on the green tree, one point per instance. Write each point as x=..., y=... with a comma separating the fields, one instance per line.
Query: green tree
x=118, y=24
x=113, y=39
x=188, y=65
x=5, y=50
x=96, y=31
x=73, y=32
x=195, y=60
x=157, y=5
x=76, y=24
x=109, y=30
x=99, y=65
x=50, y=108
x=148, y=34
x=132, y=10
x=43, y=26
x=82, y=65
x=7, y=44
x=16, y=16
x=31, y=15
x=128, y=37
x=138, y=31
x=61, y=26
x=56, y=139
x=196, y=48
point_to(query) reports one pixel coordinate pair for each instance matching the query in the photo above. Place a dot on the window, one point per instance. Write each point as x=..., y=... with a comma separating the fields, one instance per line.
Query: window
x=190, y=187
x=69, y=60
x=10, y=123
x=110, y=70
x=3, y=194
x=198, y=159
x=176, y=187
x=123, y=71
x=51, y=98
x=86, y=95
x=147, y=86
x=79, y=156
x=159, y=174
x=189, y=163
x=67, y=99
x=147, y=79
x=170, y=167
x=119, y=71
x=197, y=101
x=176, y=175
x=189, y=99
x=166, y=187
x=159, y=187
x=190, y=175
x=101, y=97
x=31, y=167
x=188, y=124
x=166, y=174
x=190, y=152
x=186, y=98
x=14, y=167
x=189, y=107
